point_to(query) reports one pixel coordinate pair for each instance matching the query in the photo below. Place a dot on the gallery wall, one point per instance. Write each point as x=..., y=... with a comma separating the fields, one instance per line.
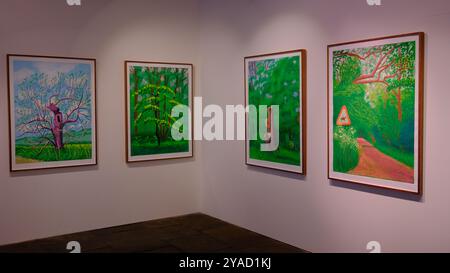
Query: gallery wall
x=39, y=204
x=312, y=212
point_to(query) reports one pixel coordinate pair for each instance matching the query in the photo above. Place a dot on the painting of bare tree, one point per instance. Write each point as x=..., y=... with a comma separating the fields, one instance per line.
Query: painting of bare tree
x=52, y=112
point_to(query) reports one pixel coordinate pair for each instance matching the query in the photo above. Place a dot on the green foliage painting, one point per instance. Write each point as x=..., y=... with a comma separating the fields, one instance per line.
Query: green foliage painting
x=52, y=112
x=377, y=86
x=277, y=80
x=153, y=91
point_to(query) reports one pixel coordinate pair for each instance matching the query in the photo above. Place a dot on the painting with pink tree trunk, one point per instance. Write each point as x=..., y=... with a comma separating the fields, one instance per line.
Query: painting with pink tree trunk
x=52, y=112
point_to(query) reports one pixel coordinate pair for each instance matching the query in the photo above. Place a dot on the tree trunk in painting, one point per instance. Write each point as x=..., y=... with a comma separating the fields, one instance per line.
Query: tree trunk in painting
x=158, y=115
x=136, y=100
x=399, y=104
x=401, y=66
x=58, y=131
x=57, y=127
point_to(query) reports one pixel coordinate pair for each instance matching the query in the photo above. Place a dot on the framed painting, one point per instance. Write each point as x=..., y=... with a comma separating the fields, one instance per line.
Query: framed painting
x=52, y=103
x=375, y=116
x=275, y=88
x=153, y=91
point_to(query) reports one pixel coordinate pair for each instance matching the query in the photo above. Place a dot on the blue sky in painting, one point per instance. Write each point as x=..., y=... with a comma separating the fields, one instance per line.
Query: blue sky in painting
x=24, y=69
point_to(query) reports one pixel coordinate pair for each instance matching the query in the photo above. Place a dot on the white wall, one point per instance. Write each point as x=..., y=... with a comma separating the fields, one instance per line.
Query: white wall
x=45, y=203
x=215, y=35
x=311, y=212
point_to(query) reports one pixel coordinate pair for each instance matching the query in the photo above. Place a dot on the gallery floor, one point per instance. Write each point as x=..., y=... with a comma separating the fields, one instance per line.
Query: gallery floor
x=194, y=233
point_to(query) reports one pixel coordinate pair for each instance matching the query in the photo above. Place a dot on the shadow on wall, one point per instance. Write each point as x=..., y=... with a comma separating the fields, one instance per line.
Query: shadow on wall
x=378, y=191
x=163, y=162
x=277, y=173
x=54, y=171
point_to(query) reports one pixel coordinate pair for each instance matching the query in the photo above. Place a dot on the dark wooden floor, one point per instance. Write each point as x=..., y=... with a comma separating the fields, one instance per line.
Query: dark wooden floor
x=195, y=233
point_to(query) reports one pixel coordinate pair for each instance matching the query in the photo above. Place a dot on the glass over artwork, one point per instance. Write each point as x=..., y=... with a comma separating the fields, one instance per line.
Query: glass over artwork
x=153, y=90
x=52, y=103
x=277, y=80
x=374, y=112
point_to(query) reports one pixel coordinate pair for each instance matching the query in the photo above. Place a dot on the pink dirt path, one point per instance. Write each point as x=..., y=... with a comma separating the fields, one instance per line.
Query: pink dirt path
x=373, y=163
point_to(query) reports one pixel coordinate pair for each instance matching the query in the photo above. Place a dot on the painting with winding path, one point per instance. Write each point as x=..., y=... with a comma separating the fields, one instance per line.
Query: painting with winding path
x=52, y=117
x=153, y=92
x=374, y=112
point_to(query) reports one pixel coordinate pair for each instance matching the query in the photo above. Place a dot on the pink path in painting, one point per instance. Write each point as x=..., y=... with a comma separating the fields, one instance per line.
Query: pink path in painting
x=373, y=163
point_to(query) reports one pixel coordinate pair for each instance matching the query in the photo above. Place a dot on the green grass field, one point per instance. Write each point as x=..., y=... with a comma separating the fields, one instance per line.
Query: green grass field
x=27, y=153
x=167, y=147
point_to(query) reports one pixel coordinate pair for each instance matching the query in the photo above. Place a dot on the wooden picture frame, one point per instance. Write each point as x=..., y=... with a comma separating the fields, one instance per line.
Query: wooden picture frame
x=291, y=153
x=375, y=112
x=164, y=79
x=52, y=112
